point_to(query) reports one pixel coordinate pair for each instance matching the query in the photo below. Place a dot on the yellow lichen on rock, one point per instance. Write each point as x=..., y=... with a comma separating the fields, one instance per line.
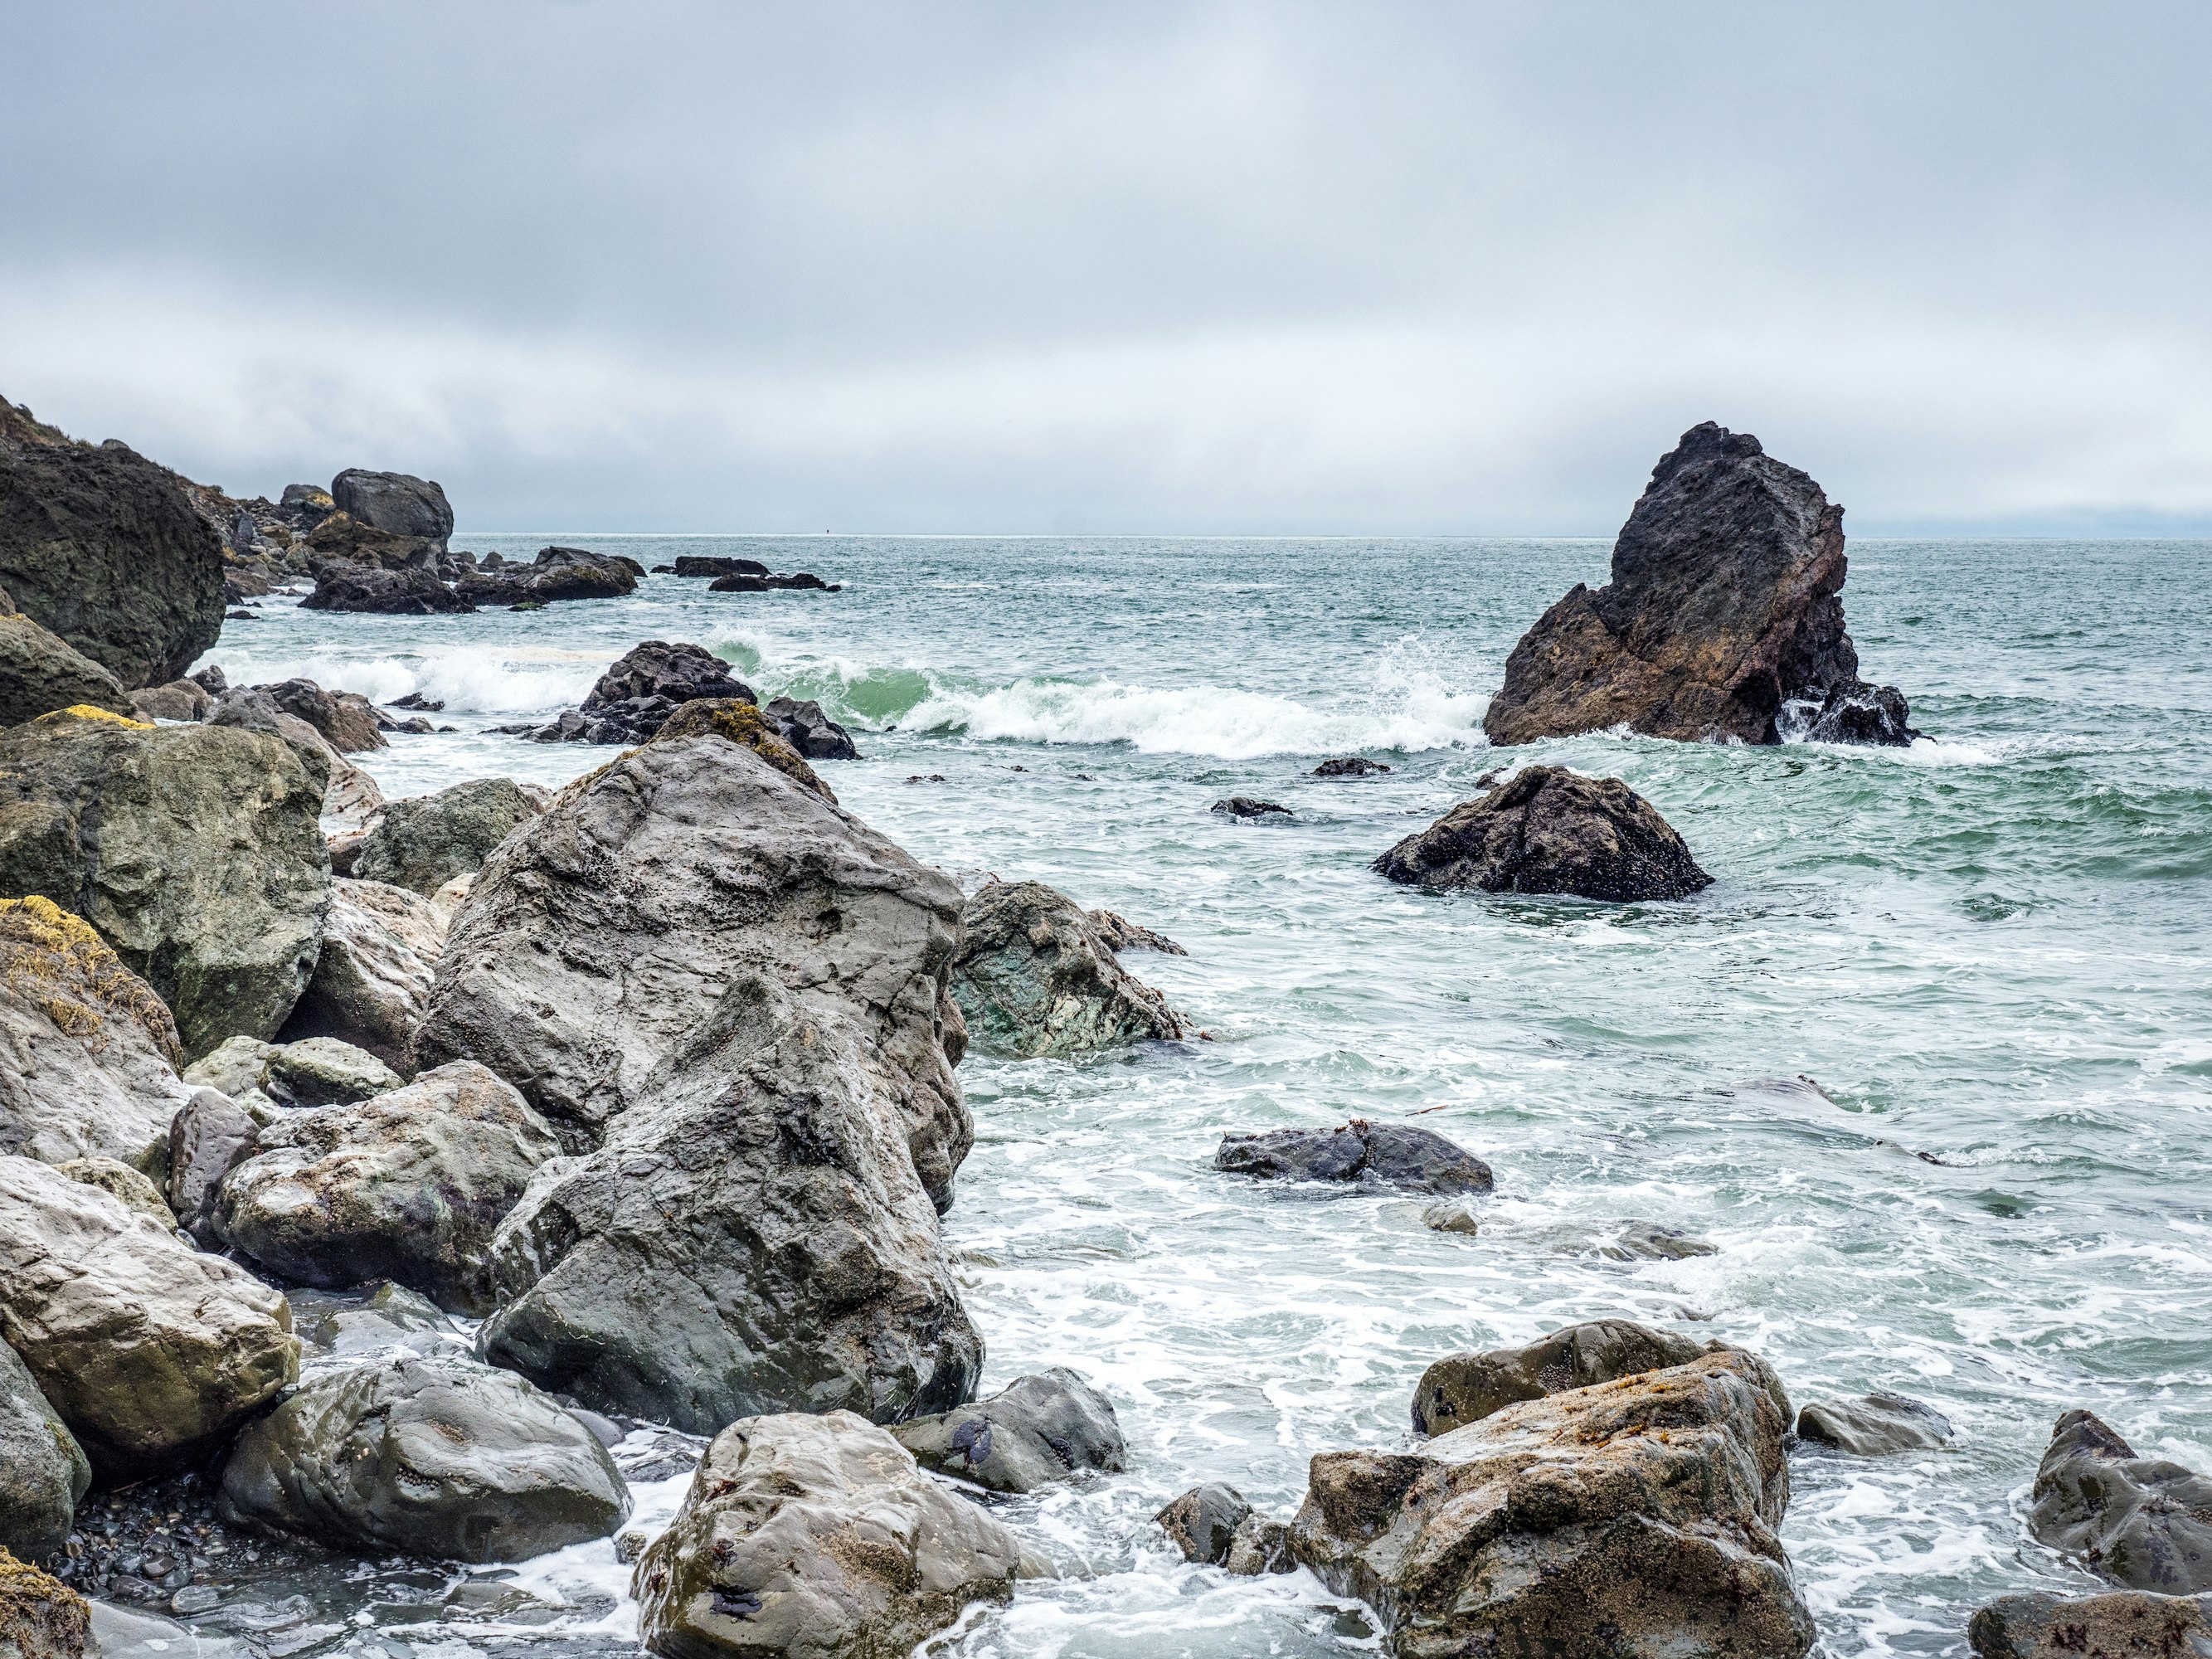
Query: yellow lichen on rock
x=741, y=723
x=38, y=1614
x=57, y=962
x=85, y=711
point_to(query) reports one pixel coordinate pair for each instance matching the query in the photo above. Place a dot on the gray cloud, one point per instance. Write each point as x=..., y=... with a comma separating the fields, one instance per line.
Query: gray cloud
x=1259, y=268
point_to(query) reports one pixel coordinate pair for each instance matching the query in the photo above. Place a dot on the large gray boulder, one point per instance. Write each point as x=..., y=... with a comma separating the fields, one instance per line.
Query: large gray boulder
x=44, y=1474
x=2142, y=1522
x=1465, y=1387
x=408, y=1185
x=1037, y=1430
x=2119, y=1624
x=1634, y=1518
x=443, y=1458
x=394, y=502
x=195, y=850
x=1033, y=977
x=816, y=1537
x=148, y=1349
x=371, y=982
x=41, y=672
x=424, y=841
x=104, y=547
x=88, y=1052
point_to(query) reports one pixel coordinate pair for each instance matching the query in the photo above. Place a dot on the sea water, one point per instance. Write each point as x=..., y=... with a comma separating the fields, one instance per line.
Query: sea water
x=1930, y=1062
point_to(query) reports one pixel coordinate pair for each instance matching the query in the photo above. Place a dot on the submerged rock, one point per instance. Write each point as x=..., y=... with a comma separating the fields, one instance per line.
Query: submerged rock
x=88, y=1052
x=1245, y=806
x=372, y=979
x=1723, y=609
x=1118, y=933
x=408, y=1187
x=1465, y=1387
x=44, y=1475
x=2119, y=1624
x=2142, y=1522
x=424, y=841
x=148, y=1349
x=1214, y=1527
x=1880, y=1426
x=801, y=723
x=1033, y=978
x=41, y=672
x=1647, y=1241
x=1349, y=766
x=1545, y=830
x=1367, y=1154
x=816, y=1537
x=442, y=1458
x=698, y=564
x=1636, y=1517
x=1036, y=1431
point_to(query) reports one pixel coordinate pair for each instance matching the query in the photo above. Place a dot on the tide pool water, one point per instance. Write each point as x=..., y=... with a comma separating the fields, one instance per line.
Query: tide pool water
x=1930, y=1062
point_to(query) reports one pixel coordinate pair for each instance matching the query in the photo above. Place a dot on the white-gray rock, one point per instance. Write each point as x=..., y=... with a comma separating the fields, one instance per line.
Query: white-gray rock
x=371, y=983
x=43, y=1472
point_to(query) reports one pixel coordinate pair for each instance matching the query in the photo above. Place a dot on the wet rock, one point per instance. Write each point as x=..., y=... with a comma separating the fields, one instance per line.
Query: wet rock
x=42, y=1473
x=425, y=841
x=801, y=723
x=1873, y=714
x=1880, y=1426
x=104, y=547
x=1723, y=609
x=194, y=850
x=1349, y=766
x=88, y=1052
x=1245, y=806
x=1647, y=1241
x=148, y=1349
x=811, y=1537
x=1118, y=933
x=370, y=1319
x=558, y=572
x=371, y=983
x=40, y=1617
x=121, y=1181
x=1367, y=1154
x=696, y=564
x=1451, y=1217
x=1032, y=977
x=443, y=1458
x=740, y=722
x=408, y=1187
x=1036, y=1431
x=1204, y=1522
x=1637, y=1517
x=395, y=502
x=1545, y=830
x=410, y=590
x=2119, y=1624
x=178, y=700
x=324, y=1071
x=2142, y=1522
x=210, y=1137
x=746, y=582
x=1465, y=1387
x=41, y=672
x=346, y=720
x=633, y=699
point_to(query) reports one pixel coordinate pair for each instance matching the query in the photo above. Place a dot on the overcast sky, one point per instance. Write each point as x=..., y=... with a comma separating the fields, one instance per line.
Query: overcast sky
x=1035, y=267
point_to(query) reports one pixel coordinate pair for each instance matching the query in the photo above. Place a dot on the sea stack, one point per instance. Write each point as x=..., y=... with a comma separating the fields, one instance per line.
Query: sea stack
x=1722, y=622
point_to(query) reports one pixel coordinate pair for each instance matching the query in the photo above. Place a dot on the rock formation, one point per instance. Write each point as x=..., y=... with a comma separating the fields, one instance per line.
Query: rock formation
x=816, y=1537
x=698, y=564
x=1118, y=933
x=424, y=841
x=1359, y=1153
x=120, y=1181
x=2120, y=1624
x=211, y=1136
x=432, y=1457
x=804, y=725
x=1036, y=1431
x=633, y=700
x=371, y=982
x=2142, y=1522
x=410, y=591
x=1032, y=977
x=1880, y=1426
x=1349, y=766
x=1545, y=830
x=395, y=503
x=42, y=1473
x=741, y=723
x=42, y=1617
x=1246, y=806
x=558, y=572
x=1722, y=613
x=177, y=700
x=1465, y=1387
x=41, y=672
x=346, y=720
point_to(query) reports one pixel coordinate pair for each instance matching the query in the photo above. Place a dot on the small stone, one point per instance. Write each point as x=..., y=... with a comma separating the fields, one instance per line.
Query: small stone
x=1245, y=806
x=1450, y=1219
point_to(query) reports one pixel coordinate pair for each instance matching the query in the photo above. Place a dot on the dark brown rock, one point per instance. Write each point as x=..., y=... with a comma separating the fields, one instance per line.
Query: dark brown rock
x=1465, y=1387
x=2121, y=1625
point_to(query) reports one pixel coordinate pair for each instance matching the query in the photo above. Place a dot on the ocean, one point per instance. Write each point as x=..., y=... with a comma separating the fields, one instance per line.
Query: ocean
x=1930, y=1062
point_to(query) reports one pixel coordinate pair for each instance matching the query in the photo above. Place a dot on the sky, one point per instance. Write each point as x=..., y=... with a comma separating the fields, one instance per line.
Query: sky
x=1357, y=268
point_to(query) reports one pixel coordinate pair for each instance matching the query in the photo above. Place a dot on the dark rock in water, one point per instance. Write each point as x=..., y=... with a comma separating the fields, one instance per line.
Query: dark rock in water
x=1243, y=807
x=1637, y=1518
x=41, y=672
x=1035, y=1430
x=816, y=1537
x=693, y=564
x=211, y=680
x=1867, y=715
x=343, y=539
x=1723, y=609
x=394, y=502
x=2119, y=1624
x=1465, y=1387
x=42, y=1473
x=558, y=572
x=1203, y=1523
x=210, y=1137
x=747, y=582
x=104, y=547
x=804, y=725
x=416, y=699
x=1877, y=1426
x=633, y=698
x=424, y=841
x=1349, y=766
x=1033, y=978
x=1646, y=1240
x=346, y=719
x=442, y=1458
x=1369, y=1154
x=1118, y=933
x=2142, y=1522
x=1546, y=829
x=413, y=592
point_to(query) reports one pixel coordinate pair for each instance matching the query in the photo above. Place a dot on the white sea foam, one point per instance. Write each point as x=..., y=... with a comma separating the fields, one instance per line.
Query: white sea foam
x=467, y=679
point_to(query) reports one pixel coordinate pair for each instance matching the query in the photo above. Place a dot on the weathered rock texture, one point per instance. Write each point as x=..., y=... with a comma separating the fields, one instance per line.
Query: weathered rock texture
x=816, y=1537
x=40, y=1617
x=424, y=841
x=324, y=1071
x=88, y=1053
x=394, y=502
x=104, y=547
x=558, y=572
x=807, y=729
x=409, y=1186
x=1036, y=1429
x=736, y=721
x=1213, y=1525
x=195, y=850
x=1545, y=830
x=2121, y=1625
x=1033, y=977
x=633, y=698
x=176, y=700
x=41, y=672
x=2142, y=1522
x=1723, y=608
x=1464, y=1387
x=1633, y=1518
x=346, y=720
x=410, y=590
x=1880, y=1426
x=42, y=1473
x=1359, y=1152
x=372, y=979
x=1118, y=933
x=147, y=1348
x=119, y=1181
x=442, y=1458
x=211, y=1136
x=743, y=989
